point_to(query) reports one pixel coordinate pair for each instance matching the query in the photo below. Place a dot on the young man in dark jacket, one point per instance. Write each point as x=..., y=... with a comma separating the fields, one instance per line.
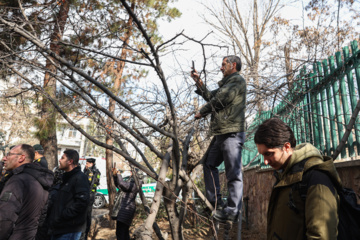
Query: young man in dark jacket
x=289, y=215
x=67, y=206
x=127, y=207
x=23, y=195
x=227, y=108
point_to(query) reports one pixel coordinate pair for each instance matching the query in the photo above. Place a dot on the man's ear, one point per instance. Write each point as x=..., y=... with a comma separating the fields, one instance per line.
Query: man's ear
x=22, y=159
x=233, y=65
x=287, y=146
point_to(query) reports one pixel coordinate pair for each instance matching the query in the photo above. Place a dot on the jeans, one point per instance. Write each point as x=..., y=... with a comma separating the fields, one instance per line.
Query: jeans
x=67, y=236
x=226, y=148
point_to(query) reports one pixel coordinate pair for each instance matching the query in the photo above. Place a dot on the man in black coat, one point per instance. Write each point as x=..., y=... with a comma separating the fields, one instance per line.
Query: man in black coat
x=39, y=156
x=127, y=207
x=67, y=206
x=24, y=194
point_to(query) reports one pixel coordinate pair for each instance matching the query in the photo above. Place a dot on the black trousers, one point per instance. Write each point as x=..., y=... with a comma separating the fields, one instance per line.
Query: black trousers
x=84, y=235
x=122, y=231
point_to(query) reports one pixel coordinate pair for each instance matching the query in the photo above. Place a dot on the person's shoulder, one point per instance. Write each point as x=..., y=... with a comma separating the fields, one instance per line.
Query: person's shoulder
x=80, y=174
x=20, y=180
x=236, y=78
x=82, y=177
x=318, y=177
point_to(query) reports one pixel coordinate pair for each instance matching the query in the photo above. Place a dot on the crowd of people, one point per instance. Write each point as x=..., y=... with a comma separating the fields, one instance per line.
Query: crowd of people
x=38, y=203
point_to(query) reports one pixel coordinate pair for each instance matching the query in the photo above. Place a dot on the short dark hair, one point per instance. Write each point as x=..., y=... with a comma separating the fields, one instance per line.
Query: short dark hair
x=28, y=151
x=73, y=155
x=41, y=152
x=234, y=59
x=274, y=133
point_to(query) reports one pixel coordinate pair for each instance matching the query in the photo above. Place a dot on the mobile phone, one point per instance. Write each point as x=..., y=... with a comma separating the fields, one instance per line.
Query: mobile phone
x=193, y=66
x=114, y=164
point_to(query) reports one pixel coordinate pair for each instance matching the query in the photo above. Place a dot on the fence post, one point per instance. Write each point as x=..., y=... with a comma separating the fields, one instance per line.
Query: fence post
x=330, y=105
x=345, y=102
x=336, y=93
x=356, y=63
x=314, y=113
x=325, y=116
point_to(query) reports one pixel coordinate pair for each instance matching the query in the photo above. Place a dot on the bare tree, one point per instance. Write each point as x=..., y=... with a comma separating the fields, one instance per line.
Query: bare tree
x=147, y=115
x=243, y=25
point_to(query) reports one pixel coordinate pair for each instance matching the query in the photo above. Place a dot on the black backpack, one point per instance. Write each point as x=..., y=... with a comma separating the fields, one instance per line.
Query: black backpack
x=348, y=212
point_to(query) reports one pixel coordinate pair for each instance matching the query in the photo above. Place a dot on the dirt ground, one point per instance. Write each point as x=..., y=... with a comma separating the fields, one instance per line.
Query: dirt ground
x=199, y=230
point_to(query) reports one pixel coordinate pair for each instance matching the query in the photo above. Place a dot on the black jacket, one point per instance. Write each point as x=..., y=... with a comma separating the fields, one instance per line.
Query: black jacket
x=22, y=201
x=42, y=162
x=93, y=176
x=128, y=206
x=68, y=203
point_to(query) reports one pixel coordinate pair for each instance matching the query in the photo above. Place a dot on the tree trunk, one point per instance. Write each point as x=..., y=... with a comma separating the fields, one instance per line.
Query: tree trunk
x=47, y=128
x=112, y=103
x=175, y=225
x=110, y=181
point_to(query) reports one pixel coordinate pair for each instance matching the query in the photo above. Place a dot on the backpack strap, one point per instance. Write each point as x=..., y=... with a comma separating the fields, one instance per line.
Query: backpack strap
x=302, y=188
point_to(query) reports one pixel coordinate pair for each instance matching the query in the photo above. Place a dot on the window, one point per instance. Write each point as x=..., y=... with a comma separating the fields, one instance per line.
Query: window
x=72, y=133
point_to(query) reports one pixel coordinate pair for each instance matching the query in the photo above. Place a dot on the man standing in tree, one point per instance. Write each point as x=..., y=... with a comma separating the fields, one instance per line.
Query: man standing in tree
x=304, y=201
x=93, y=176
x=227, y=108
x=39, y=156
x=67, y=207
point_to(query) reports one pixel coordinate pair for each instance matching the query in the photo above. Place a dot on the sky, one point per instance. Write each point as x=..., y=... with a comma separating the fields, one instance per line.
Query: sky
x=194, y=26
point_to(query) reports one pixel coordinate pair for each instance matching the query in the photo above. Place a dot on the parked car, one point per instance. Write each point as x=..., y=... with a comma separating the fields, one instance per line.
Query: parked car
x=102, y=197
x=100, y=200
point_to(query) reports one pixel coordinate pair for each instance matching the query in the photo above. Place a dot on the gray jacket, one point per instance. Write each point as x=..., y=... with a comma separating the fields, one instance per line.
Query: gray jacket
x=226, y=105
x=128, y=206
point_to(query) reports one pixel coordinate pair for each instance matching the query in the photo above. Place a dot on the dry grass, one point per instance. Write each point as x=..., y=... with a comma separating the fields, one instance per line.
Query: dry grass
x=201, y=231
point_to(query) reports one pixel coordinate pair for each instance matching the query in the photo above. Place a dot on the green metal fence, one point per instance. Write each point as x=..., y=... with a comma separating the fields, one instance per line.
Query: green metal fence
x=318, y=107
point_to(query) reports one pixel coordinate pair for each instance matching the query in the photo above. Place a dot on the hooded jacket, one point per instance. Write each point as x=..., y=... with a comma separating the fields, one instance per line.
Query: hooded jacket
x=22, y=201
x=292, y=217
x=226, y=105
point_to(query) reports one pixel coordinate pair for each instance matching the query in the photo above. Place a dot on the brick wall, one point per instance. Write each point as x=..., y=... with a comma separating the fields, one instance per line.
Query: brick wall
x=258, y=184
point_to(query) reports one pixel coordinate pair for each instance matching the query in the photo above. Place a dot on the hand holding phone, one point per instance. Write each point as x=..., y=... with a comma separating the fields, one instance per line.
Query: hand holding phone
x=195, y=75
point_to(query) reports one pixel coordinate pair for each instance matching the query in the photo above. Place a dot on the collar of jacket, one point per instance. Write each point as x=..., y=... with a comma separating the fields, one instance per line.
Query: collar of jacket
x=93, y=168
x=44, y=176
x=225, y=79
x=25, y=166
x=68, y=175
x=301, y=152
